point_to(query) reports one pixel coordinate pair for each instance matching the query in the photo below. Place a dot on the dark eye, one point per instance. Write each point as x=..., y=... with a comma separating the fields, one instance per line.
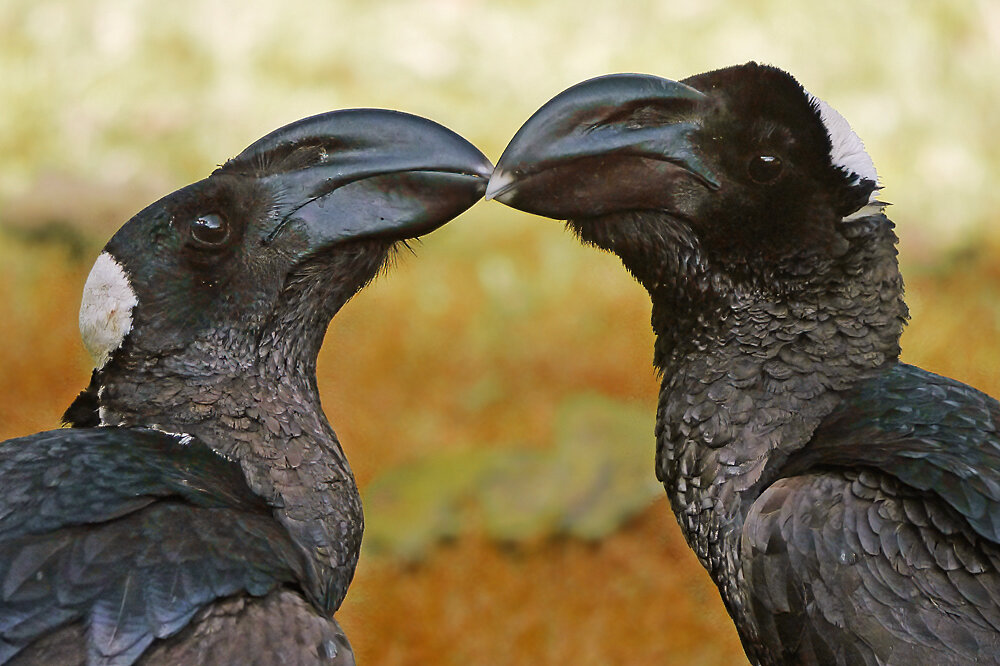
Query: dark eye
x=764, y=168
x=210, y=230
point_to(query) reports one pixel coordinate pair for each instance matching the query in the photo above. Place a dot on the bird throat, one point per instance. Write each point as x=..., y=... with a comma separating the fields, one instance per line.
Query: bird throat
x=269, y=420
x=748, y=375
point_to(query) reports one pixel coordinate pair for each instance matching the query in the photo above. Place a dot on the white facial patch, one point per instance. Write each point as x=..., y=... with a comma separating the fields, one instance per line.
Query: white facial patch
x=847, y=151
x=106, y=309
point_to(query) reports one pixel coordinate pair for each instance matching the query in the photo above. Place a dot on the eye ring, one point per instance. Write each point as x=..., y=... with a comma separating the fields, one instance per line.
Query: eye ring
x=210, y=230
x=764, y=169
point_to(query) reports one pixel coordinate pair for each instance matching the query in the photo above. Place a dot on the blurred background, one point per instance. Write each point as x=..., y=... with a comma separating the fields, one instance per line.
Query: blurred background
x=494, y=394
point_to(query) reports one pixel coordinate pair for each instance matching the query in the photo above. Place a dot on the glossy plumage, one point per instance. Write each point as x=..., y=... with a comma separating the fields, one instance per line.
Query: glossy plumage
x=131, y=532
x=844, y=503
x=201, y=509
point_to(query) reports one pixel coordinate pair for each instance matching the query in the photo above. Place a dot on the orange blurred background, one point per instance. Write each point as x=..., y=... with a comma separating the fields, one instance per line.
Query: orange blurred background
x=490, y=388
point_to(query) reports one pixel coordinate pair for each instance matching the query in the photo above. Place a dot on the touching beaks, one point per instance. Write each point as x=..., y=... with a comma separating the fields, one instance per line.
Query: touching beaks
x=500, y=183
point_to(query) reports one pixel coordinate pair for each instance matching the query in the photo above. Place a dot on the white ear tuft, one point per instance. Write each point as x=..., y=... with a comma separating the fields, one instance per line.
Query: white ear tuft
x=106, y=308
x=847, y=150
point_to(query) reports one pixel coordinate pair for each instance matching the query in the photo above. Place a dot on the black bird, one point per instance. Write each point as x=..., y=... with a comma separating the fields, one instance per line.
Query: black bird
x=202, y=510
x=846, y=505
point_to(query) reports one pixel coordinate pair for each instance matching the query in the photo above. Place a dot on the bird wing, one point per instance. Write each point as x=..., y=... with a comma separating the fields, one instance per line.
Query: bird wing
x=930, y=432
x=129, y=530
x=879, y=544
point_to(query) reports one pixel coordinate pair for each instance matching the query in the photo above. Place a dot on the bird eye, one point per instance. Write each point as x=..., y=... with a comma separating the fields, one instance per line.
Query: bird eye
x=209, y=230
x=764, y=168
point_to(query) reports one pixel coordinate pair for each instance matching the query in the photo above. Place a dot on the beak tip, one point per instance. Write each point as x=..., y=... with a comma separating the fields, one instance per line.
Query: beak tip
x=501, y=183
x=485, y=169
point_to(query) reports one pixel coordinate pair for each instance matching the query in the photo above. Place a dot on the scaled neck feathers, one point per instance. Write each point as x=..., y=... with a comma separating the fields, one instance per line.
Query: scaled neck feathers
x=746, y=381
x=265, y=415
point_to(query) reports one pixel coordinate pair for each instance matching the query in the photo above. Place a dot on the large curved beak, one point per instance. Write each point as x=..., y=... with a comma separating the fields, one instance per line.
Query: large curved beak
x=364, y=173
x=604, y=145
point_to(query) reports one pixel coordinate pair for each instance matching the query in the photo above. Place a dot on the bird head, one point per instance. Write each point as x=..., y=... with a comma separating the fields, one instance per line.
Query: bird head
x=742, y=166
x=264, y=251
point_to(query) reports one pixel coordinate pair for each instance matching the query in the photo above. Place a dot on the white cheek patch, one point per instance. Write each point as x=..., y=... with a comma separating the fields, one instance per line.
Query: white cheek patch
x=106, y=309
x=847, y=150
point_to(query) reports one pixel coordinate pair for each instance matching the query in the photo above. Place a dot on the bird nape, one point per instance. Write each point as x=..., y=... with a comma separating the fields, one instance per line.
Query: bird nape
x=201, y=509
x=846, y=505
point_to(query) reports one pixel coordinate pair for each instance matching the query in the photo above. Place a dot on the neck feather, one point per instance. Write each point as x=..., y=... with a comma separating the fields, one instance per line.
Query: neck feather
x=264, y=412
x=749, y=371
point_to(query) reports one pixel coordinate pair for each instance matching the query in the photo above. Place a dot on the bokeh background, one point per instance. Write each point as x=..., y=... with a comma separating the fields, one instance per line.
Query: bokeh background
x=494, y=393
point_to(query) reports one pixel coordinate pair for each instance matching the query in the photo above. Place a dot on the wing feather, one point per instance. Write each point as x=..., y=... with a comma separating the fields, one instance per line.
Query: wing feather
x=129, y=530
x=879, y=541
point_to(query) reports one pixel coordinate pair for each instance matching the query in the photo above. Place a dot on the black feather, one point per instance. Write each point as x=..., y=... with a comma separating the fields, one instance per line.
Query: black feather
x=847, y=506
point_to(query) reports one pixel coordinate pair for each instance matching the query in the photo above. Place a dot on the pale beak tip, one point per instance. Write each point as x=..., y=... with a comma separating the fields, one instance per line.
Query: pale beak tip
x=501, y=183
